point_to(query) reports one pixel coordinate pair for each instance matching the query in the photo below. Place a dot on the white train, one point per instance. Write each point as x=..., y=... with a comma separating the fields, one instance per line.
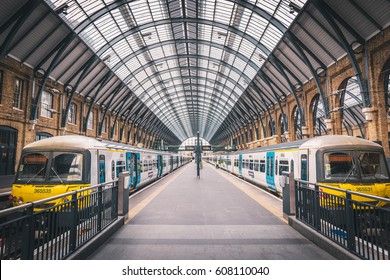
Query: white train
x=340, y=161
x=62, y=164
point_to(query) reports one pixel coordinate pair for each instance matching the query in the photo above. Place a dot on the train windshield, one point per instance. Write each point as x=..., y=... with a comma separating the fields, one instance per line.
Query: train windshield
x=66, y=167
x=373, y=165
x=33, y=167
x=355, y=165
x=50, y=167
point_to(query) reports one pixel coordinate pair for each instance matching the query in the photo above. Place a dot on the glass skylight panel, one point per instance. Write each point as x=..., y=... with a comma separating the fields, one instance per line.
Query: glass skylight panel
x=164, y=32
x=246, y=50
x=120, y=21
x=134, y=64
x=257, y=26
x=157, y=9
x=107, y=26
x=250, y=71
x=283, y=13
x=267, y=5
x=225, y=9
x=206, y=32
x=208, y=9
x=75, y=14
x=93, y=37
x=157, y=53
x=271, y=37
x=141, y=12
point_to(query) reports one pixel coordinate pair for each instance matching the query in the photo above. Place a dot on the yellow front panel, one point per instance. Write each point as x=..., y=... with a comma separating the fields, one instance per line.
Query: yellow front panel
x=31, y=193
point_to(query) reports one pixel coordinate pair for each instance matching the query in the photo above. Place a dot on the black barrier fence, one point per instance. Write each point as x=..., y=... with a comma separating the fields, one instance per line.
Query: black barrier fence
x=355, y=221
x=46, y=231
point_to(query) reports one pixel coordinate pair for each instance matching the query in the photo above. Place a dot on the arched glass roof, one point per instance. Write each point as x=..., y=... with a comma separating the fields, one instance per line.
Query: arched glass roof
x=175, y=67
x=189, y=61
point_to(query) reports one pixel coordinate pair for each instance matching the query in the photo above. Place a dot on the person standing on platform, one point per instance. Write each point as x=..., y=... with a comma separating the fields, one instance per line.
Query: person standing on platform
x=217, y=164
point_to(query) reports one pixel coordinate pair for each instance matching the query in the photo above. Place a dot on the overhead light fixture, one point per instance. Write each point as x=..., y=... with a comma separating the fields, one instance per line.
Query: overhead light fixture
x=56, y=91
x=294, y=7
x=107, y=58
x=220, y=34
x=148, y=34
x=63, y=9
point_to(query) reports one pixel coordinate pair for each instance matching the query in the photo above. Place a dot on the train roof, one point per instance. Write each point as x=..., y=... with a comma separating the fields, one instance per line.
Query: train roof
x=337, y=140
x=84, y=142
x=67, y=141
x=316, y=142
x=281, y=146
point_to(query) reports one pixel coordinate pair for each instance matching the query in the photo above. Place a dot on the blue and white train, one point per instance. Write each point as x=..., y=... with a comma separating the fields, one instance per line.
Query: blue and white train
x=339, y=161
x=62, y=164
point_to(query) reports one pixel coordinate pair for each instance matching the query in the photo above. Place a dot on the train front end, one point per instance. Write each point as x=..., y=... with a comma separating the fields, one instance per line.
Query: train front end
x=44, y=173
x=358, y=169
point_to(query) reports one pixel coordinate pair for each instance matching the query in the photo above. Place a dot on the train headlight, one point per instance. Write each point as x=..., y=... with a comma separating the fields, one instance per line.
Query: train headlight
x=20, y=201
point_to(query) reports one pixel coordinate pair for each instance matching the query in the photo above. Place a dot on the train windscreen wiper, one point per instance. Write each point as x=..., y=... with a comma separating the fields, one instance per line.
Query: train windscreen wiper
x=43, y=168
x=353, y=168
x=52, y=168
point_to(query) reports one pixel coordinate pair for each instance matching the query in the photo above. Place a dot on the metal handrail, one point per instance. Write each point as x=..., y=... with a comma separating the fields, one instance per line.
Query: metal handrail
x=26, y=205
x=343, y=190
x=360, y=227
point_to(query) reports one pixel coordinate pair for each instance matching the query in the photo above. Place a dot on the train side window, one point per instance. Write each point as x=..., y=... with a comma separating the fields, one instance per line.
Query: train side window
x=112, y=170
x=120, y=167
x=102, y=169
x=276, y=167
x=256, y=166
x=304, y=167
x=262, y=166
x=251, y=164
x=283, y=166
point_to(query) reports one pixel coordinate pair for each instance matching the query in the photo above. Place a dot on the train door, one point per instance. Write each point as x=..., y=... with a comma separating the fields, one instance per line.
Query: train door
x=240, y=165
x=130, y=167
x=270, y=170
x=303, y=165
x=137, y=169
x=159, y=165
x=170, y=163
x=102, y=169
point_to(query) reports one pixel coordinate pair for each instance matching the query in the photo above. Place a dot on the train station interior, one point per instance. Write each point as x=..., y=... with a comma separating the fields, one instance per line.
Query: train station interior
x=169, y=76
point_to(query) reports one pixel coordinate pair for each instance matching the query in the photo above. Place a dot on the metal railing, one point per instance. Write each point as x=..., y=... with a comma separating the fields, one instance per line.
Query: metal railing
x=350, y=219
x=53, y=232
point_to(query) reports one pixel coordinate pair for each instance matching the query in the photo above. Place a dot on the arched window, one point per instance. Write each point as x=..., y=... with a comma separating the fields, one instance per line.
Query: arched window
x=47, y=104
x=297, y=123
x=72, y=116
x=318, y=116
x=282, y=127
x=42, y=135
x=271, y=127
x=351, y=106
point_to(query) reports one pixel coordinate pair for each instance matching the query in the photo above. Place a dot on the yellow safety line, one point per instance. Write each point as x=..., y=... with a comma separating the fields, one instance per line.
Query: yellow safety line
x=252, y=194
x=134, y=211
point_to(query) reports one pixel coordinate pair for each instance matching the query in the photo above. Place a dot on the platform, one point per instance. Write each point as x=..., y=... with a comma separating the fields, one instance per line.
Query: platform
x=216, y=217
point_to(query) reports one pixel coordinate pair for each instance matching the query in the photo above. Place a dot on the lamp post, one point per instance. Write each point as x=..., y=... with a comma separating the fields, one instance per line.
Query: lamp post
x=198, y=156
